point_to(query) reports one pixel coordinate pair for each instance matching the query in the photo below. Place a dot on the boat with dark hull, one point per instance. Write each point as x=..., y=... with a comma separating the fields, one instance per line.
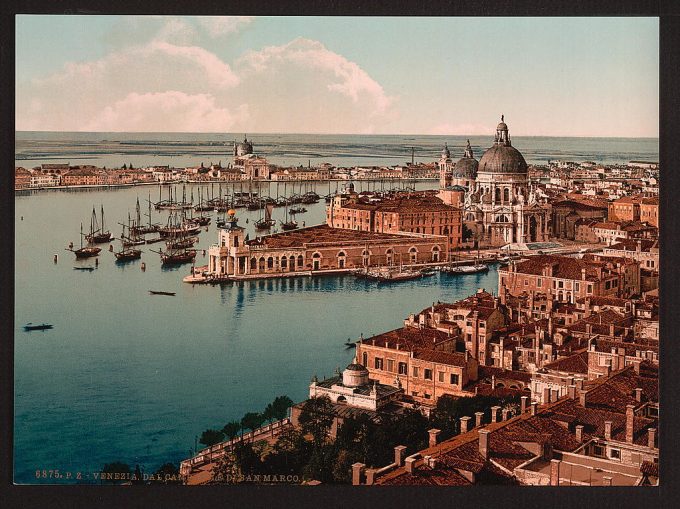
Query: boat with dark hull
x=128, y=255
x=266, y=222
x=98, y=234
x=177, y=257
x=87, y=251
x=45, y=326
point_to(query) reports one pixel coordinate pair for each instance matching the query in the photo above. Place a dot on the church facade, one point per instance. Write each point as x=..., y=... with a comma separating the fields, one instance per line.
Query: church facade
x=500, y=205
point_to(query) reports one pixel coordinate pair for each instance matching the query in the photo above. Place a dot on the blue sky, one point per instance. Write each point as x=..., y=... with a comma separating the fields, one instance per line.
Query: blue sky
x=549, y=76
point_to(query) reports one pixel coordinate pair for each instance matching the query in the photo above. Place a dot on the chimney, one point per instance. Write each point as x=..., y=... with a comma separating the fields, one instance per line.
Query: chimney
x=579, y=384
x=357, y=469
x=607, y=430
x=464, y=424
x=636, y=367
x=579, y=433
x=582, y=398
x=651, y=433
x=546, y=395
x=399, y=452
x=434, y=436
x=555, y=395
x=370, y=476
x=523, y=404
x=583, y=274
x=494, y=413
x=484, y=443
x=555, y=472
x=572, y=391
x=504, y=414
x=630, y=418
x=534, y=407
x=410, y=464
x=638, y=395
x=478, y=419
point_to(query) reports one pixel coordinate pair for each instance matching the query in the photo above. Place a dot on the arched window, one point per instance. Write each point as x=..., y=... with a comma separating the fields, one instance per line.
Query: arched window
x=498, y=194
x=435, y=254
x=341, y=259
x=284, y=263
x=413, y=254
x=506, y=194
x=270, y=263
x=261, y=268
x=389, y=256
x=253, y=263
x=291, y=265
x=300, y=261
x=316, y=261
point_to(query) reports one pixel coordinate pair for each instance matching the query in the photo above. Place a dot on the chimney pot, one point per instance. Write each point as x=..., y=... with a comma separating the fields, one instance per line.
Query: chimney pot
x=478, y=419
x=555, y=472
x=434, y=436
x=370, y=476
x=582, y=398
x=607, y=430
x=651, y=432
x=572, y=392
x=555, y=395
x=579, y=433
x=630, y=419
x=410, y=464
x=484, y=443
x=357, y=469
x=464, y=424
x=638, y=394
x=504, y=414
x=399, y=452
x=534, y=407
x=546, y=395
x=494, y=413
x=523, y=404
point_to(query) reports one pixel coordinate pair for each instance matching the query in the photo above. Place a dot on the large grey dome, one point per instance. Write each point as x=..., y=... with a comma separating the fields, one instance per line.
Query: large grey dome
x=502, y=157
x=465, y=168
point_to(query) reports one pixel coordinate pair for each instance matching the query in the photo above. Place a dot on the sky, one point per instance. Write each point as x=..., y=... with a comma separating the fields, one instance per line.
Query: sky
x=344, y=75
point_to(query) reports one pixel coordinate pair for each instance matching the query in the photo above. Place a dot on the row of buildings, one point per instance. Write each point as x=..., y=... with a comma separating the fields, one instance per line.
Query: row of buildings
x=585, y=370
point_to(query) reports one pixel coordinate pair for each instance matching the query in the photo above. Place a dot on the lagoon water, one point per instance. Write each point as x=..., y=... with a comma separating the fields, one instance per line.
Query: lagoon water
x=126, y=376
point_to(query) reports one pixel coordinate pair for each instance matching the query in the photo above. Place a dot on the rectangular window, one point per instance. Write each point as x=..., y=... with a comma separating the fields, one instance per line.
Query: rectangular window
x=560, y=284
x=426, y=396
x=577, y=286
x=469, y=337
x=427, y=374
x=454, y=379
x=615, y=454
x=364, y=358
x=402, y=368
x=590, y=288
x=482, y=325
x=440, y=375
x=539, y=282
x=607, y=285
x=390, y=365
x=378, y=363
x=415, y=371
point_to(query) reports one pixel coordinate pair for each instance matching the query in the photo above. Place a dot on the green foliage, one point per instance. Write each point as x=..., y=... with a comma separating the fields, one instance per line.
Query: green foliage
x=280, y=406
x=231, y=429
x=316, y=418
x=449, y=410
x=252, y=421
x=169, y=473
x=211, y=437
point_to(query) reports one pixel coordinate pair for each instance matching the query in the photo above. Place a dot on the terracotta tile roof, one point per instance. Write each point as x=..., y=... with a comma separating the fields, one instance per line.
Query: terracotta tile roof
x=576, y=364
x=649, y=468
x=409, y=338
x=564, y=267
x=632, y=244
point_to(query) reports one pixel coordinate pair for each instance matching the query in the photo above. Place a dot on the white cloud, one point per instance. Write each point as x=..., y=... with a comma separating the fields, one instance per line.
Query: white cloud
x=217, y=26
x=297, y=87
x=166, y=111
x=350, y=79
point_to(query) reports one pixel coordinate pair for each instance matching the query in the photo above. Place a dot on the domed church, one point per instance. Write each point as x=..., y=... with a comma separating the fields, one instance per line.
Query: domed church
x=500, y=205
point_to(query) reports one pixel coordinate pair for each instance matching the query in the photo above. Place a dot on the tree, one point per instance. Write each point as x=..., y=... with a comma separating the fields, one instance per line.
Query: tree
x=124, y=166
x=231, y=429
x=251, y=421
x=168, y=473
x=211, y=437
x=316, y=418
x=280, y=407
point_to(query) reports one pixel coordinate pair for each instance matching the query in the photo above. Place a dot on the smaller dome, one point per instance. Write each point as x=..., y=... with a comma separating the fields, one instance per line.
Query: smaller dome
x=355, y=375
x=502, y=127
x=465, y=168
x=356, y=367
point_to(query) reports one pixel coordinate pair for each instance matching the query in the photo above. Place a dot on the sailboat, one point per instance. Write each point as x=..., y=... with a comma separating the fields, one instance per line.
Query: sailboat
x=133, y=238
x=288, y=224
x=87, y=251
x=267, y=222
x=98, y=235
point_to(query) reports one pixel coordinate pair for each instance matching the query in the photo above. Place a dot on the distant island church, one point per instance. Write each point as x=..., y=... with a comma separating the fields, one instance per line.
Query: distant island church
x=500, y=206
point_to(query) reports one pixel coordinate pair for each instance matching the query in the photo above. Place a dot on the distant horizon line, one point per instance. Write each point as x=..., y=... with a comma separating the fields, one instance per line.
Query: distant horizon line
x=256, y=133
